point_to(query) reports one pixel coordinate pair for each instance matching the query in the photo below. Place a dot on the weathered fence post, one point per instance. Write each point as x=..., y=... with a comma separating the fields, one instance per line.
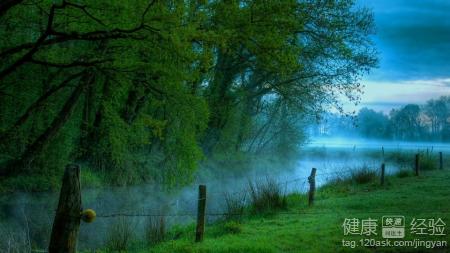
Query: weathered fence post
x=312, y=186
x=417, y=164
x=67, y=219
x=201, y=210
x=382, y=173
x=441, y=161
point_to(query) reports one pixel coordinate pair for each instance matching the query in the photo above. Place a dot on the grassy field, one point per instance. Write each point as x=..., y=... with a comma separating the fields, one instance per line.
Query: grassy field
x=300, y=228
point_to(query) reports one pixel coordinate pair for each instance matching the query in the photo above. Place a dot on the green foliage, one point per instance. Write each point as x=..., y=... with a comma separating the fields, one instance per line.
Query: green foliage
x=144, y=91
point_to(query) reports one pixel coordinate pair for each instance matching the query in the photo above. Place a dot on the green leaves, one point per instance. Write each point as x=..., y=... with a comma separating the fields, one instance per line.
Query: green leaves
x=177, y=79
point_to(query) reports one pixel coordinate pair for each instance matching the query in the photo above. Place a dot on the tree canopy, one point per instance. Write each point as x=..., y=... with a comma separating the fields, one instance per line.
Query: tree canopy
x=145, y=90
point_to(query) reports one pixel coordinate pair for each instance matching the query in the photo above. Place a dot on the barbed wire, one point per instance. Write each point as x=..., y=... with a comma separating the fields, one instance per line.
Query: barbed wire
x=114, y=215
x=303, y=181
x=337, y=212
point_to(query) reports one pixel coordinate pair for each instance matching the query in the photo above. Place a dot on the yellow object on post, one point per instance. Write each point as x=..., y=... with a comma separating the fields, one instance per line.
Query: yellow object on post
x=88, y=215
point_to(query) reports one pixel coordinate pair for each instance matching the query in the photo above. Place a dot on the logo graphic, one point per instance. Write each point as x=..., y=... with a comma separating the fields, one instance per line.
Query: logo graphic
x=393, y=226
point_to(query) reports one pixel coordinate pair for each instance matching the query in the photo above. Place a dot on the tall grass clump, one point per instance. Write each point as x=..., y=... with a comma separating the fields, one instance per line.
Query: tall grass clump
x=120, y=235
x=17, y=241
x=266, y=196
x=427, y=161
x=363, y=175
x=401, y=158
x=402, y=173
x=336, y=179
x=235, y=206
x=232, y=227
x=156, y=229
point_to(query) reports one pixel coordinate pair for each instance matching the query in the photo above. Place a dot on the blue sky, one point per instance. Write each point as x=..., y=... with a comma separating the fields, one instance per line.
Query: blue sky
x=413, y=40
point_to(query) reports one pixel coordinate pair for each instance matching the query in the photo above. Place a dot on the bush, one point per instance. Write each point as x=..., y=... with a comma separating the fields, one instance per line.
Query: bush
x=266, y=196
x=156, y=229
x=119, y=235
x=363, y=175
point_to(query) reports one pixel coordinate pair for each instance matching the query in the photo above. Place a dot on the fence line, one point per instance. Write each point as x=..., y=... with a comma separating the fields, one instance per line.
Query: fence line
x=67, y=220
x=347, y=212
x=246, y=191
x=305, y=178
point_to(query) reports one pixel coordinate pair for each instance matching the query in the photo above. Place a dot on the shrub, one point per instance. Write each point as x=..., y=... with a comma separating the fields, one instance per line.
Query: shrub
x=156, y=229
x=119, y=235
x=266, y=196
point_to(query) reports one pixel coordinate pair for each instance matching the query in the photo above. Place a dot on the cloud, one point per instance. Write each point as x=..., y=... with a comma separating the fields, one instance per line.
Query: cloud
x=413, y=38
x=385, y=95
x=407, y=91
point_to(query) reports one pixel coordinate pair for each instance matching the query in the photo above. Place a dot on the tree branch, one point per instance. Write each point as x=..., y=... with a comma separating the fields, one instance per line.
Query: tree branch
x=69, y=65
x=39, y=102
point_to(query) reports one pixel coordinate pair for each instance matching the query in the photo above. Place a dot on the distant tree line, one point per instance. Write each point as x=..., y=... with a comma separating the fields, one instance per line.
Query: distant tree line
x=430, y=122
x=144, y=90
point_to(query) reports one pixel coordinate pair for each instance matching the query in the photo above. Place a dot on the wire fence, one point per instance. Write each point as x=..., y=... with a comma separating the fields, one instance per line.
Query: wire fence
x=302, y=187
x=191, y=205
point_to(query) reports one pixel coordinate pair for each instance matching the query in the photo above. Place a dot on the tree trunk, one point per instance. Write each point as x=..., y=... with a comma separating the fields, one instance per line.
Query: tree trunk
x=86, y=123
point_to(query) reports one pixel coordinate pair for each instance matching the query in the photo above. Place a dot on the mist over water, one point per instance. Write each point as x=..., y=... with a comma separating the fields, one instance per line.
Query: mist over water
x=373, y=144
x=32, y=213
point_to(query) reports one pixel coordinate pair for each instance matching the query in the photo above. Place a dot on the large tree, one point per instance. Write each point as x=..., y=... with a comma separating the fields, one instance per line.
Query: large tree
x=143, y=90
x=301, y=55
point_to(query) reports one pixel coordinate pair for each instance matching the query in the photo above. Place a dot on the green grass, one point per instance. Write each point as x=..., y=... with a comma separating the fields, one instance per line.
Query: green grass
x=319, y=228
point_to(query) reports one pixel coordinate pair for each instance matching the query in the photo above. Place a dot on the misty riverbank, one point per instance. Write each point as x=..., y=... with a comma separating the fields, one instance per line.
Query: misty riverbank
x=30, y=215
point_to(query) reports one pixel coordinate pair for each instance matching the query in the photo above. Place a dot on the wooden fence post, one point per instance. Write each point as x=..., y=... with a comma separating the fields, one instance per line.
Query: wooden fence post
x=417, y=164
x=312, y=186
x=67, y=219
x=441, y=161
x=201, y=210
x=382, y=173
